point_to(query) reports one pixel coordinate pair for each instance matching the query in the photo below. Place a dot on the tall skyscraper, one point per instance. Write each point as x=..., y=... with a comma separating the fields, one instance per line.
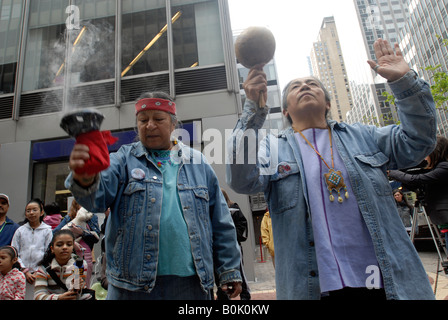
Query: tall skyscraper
x=328, y=65
x=422, y=44
x=378, y=19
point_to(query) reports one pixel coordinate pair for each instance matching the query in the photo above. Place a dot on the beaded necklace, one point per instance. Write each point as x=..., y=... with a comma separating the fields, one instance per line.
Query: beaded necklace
x=333, y=178
x=163, y=157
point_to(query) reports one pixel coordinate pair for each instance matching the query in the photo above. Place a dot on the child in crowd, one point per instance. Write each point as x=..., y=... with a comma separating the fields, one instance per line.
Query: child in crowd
x=57, y=264
x=86, y=237
x=31, y=241
x=12, y=281
x=53, y=215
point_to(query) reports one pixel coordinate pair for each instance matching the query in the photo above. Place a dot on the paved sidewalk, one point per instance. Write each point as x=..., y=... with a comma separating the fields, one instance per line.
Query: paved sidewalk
x=439, y=283
x=263, y=288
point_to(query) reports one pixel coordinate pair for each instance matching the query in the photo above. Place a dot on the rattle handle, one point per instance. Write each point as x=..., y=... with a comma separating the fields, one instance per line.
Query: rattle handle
x=261, y=102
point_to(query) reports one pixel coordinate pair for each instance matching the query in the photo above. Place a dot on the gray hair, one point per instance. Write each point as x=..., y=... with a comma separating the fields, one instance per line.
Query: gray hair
x=158, y=95
x=286, y=92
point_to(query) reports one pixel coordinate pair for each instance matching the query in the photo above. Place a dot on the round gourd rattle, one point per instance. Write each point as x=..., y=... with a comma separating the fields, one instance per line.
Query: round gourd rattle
x=255, y=46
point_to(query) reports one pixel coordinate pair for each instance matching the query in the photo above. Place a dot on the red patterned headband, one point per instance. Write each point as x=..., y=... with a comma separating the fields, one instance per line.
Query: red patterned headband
x=155, y=104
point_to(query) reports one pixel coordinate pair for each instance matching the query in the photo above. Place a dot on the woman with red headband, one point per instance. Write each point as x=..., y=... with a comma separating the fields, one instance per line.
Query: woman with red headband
x=169, y=226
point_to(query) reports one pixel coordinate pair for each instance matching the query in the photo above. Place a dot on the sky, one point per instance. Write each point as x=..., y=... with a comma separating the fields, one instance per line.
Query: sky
x=295, y=25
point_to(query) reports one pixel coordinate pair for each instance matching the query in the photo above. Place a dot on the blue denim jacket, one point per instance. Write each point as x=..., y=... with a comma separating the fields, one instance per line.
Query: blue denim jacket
x=368, y=152
x=132, y=227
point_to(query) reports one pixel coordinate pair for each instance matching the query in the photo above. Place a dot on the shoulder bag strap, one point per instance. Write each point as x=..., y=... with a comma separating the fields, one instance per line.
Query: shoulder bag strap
x=54, y=276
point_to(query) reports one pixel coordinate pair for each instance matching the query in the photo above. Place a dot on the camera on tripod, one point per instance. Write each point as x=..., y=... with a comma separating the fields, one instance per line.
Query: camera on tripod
x=419, y=208
x=418, y=189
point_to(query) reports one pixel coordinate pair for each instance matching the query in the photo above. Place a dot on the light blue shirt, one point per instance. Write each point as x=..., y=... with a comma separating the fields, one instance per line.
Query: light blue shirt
x=132, y=187
x=344, y=248
x=174, y=244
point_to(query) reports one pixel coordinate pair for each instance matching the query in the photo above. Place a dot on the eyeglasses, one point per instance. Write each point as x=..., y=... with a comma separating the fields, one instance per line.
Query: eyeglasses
x=32, y=210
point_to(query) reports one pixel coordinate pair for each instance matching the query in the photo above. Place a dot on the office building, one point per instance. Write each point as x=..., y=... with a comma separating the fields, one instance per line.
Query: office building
x=377, y=19
x=328, y=65
x=422, y=42
x=57, y=56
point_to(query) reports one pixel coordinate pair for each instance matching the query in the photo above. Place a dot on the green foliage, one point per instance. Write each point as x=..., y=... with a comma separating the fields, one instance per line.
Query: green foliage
x=439, y=89
x=389, y=97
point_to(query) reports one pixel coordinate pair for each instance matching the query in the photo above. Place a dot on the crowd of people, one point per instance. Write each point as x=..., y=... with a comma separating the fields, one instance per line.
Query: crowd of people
x=41, y=244
x=173, y=234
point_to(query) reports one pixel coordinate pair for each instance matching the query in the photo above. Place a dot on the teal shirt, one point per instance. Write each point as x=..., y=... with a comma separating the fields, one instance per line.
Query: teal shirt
x=175, y=256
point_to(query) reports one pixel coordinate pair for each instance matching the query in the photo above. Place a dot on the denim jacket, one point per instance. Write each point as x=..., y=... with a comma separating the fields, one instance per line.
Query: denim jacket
x=132, y=188
x=368, y=152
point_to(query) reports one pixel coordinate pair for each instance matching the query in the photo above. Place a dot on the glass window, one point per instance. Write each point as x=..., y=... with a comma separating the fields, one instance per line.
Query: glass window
x=45, y=45
x=48, y=183
x=93, y=56
x=197, y=36
x=144, y=37
x=269, y=69
x=10, y=22
x=77, y=41
x=87, y=26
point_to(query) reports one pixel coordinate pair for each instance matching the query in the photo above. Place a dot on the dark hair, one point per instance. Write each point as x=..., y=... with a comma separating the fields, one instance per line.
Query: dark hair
x=440, y=153
x=404, y=199
x=286, y=92
x=48, y=256
x=41, y=206
x=52, y=208
x=12, y=252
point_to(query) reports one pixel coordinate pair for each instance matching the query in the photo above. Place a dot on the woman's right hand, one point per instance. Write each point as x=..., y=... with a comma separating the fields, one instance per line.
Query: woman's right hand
x=78, y=157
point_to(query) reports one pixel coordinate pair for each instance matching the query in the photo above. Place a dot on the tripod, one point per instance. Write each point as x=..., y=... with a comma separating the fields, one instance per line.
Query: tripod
x=435, y=234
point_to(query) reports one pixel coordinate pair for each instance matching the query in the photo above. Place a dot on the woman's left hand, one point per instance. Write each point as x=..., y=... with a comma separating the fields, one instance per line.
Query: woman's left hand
x=391, y=64
x=232, y=289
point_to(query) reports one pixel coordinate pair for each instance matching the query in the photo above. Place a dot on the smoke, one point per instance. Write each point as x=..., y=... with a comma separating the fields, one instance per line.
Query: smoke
x=89, y=57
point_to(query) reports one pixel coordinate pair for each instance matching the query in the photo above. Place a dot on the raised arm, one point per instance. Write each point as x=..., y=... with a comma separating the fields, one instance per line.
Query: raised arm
x=245, y=168
x=409, y=143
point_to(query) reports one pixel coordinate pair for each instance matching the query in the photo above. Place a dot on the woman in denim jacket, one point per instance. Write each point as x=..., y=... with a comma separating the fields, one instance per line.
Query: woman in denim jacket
x=169, y=226
x=336, y=229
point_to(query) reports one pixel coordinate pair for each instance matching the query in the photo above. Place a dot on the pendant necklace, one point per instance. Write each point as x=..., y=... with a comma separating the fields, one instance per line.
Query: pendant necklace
x=333, y=178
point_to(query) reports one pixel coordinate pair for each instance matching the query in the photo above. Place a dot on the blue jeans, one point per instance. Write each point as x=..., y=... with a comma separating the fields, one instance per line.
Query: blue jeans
x=166, y=288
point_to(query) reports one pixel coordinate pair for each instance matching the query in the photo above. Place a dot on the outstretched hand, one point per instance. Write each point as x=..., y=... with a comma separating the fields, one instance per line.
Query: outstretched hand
x=391, y=64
